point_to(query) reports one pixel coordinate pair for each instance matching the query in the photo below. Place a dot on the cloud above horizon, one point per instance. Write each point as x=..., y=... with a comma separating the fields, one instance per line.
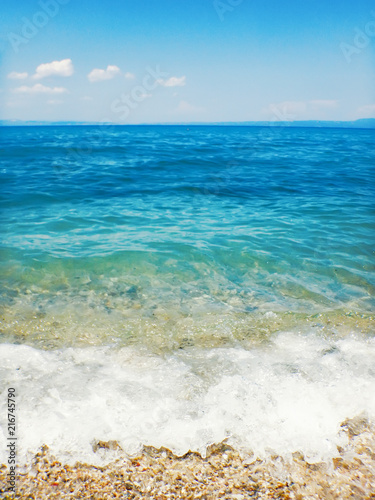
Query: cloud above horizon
x=324, y=103
x=173, y=81
x=54, y=68
x=185, y=107
x=367, y=111
x=14, y=75
x=292, y=110
x=38, y=88
x=55, y=101
x=98, y=75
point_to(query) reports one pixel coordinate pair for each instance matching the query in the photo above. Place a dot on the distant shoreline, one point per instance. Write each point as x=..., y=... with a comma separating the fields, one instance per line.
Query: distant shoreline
x=363, y=123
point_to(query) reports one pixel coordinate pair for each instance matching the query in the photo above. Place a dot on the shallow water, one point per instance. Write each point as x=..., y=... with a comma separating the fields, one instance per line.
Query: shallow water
x=176, y=286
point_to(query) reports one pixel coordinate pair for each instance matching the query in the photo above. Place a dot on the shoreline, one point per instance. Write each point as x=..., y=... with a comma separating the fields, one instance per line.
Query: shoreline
x=224, y=473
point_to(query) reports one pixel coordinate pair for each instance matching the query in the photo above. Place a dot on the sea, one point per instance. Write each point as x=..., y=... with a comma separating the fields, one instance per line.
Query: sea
x=180, y=286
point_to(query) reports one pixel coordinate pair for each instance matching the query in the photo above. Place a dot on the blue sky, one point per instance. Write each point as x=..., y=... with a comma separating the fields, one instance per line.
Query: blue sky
x=137, y=61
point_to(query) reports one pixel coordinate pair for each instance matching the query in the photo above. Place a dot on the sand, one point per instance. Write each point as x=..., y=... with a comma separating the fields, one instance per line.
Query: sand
x=224, y=473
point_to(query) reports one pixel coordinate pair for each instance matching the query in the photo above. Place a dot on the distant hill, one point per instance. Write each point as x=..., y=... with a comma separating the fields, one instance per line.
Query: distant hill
x=361, y=123
x=33, y=123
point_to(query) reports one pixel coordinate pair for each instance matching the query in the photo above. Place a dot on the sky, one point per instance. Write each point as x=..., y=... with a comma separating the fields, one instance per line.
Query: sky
x=166, y=61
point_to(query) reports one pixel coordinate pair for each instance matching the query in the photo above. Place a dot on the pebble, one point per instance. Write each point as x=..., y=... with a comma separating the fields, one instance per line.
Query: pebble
x=160, y=475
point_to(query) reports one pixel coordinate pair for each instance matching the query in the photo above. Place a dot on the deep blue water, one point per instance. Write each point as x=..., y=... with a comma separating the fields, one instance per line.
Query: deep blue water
x=236, y=219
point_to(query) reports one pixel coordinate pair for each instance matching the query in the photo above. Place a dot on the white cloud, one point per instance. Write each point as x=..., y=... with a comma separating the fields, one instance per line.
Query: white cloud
x=173, y=81
x=98, y=75
x=54, y=68
x=55, y=101
x=284, y=111
x=17, y=76
x=293, y=107
x=287, y=111
x=324, y=103
x=129, y=76
x=38, y=88
x=367, y=111
x=87, y=98
x=187, y=108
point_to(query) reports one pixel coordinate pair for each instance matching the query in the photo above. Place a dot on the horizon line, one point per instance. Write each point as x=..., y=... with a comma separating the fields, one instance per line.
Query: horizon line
x=280, y=123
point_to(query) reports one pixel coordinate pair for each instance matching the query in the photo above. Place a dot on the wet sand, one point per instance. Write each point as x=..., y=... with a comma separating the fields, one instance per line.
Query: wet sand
x=224, y=473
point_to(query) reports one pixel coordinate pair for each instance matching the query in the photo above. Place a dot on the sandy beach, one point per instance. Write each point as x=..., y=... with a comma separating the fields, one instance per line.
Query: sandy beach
x=224, y=473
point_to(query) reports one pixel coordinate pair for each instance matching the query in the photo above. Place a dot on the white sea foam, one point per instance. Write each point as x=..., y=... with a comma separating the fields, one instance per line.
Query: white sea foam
x=290, y=395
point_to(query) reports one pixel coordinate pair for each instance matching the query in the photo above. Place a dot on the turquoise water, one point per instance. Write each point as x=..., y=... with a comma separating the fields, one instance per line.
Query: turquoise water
x=185, y=243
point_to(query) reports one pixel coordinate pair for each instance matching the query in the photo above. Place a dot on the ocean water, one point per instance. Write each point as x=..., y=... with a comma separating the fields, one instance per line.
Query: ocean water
x=178, y=286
